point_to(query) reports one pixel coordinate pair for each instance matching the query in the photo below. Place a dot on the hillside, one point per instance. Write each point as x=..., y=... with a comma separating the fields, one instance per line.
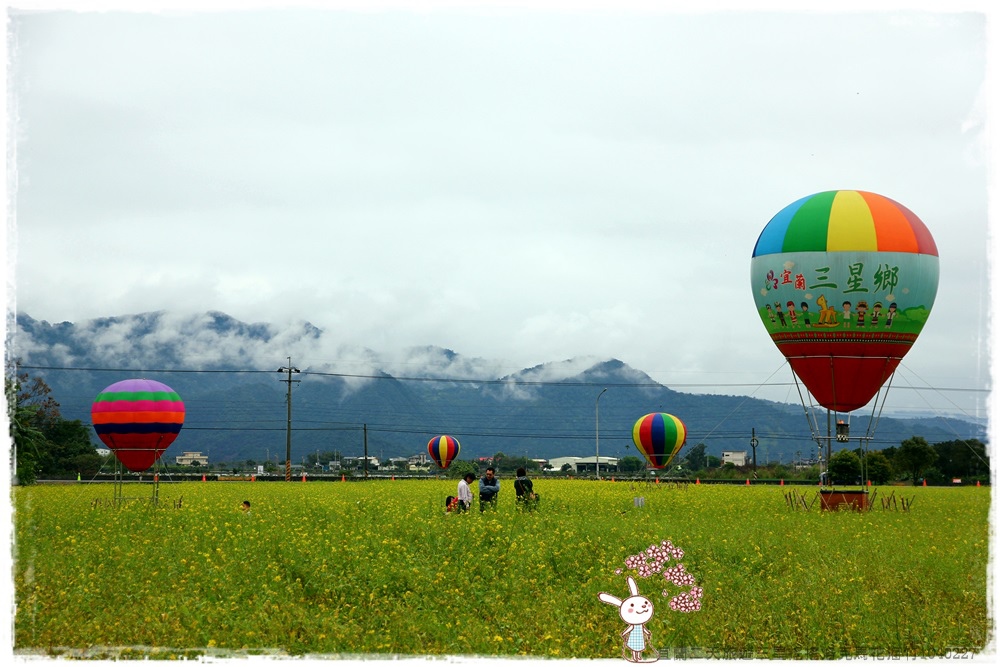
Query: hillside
x=226, y=373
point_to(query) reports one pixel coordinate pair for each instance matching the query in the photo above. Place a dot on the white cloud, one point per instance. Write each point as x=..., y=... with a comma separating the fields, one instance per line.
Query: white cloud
x=517, y=186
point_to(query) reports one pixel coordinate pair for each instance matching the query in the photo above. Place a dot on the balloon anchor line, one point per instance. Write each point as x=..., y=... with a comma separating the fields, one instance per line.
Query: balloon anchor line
x=745, y=399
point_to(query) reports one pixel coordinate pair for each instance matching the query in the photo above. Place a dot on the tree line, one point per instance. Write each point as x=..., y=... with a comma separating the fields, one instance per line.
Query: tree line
x=914, y=459
x=44, y=444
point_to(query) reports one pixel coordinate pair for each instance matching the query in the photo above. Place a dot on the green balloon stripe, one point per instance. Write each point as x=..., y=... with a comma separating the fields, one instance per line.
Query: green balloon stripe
x=138, y=396
x=810, y=225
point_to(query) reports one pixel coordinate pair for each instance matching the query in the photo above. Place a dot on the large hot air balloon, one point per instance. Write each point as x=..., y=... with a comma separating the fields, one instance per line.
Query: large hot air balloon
x=137, y=420
x=844, y=281
x=659, y=437
x=443, y=449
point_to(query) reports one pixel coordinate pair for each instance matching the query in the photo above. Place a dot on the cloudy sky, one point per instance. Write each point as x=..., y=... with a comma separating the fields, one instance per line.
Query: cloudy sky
x=516, y=184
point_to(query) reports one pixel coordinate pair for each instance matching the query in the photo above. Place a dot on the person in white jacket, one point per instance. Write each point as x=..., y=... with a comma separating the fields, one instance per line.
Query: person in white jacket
x=464, y=492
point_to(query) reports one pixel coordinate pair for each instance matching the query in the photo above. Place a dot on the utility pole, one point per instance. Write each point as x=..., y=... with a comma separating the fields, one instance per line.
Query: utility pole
x=597, y=435
x=366, y=450
x=289, y=369
x=753, y=445
x=829, y=448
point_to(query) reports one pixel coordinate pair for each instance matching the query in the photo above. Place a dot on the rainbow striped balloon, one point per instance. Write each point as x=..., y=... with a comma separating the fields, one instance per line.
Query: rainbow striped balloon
x=443, y=449
x=659, y=437
x=844, y=281
x=137, y=420
x=845, y=220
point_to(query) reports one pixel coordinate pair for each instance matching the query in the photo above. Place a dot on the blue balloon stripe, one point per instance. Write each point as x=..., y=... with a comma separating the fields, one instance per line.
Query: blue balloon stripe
x=772, y=238
x=657, y=437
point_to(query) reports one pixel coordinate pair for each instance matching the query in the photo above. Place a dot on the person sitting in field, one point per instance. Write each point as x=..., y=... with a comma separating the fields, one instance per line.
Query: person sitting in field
x=245, y=506
x=450, y=504
x=524, y=490
x=489, y=489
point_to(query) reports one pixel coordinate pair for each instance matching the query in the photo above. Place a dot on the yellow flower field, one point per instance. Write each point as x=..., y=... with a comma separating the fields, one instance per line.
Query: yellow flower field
x=379, y=567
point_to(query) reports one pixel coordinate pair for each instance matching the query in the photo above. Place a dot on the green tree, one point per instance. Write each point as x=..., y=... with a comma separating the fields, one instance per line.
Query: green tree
x=459, y=467
x=914, y=456
x=845, y=467
x=962, y=458
x=28, y=444
x=878, y=466
x=631, y=464
x=779, y=471
x=45, y=444
x=697, y=457
x=71, y=450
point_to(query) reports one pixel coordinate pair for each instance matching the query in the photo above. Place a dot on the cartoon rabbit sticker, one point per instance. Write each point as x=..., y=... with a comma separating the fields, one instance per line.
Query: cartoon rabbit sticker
x=636, y=611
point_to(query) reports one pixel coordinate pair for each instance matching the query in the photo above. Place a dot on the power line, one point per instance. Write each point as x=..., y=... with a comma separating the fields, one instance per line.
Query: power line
x=485, y=381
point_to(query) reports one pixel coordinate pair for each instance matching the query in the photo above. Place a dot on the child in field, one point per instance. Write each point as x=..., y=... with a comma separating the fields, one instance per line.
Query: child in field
x=465, y=493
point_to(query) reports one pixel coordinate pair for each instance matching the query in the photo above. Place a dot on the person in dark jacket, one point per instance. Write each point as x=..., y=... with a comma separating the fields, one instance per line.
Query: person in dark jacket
x=525, y=490
x=489, y=489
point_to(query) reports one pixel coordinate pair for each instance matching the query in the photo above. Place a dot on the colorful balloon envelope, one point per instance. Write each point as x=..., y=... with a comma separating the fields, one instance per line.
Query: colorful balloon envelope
x=443, y=449
x=844, y=281
x=137, y=420
x=659, y=437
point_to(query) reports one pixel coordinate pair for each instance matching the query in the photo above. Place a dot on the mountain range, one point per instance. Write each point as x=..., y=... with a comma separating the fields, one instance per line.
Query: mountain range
x=348, y=399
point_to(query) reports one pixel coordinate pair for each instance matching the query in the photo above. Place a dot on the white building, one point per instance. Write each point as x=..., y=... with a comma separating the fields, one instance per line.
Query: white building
x=191, y=458
x=359, y=462
x=558, y=463
x=419, y=460
x=589, y=464
x=738, y=459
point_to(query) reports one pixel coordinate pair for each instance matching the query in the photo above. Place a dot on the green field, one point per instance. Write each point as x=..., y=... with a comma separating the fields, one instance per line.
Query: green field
x=378, y=567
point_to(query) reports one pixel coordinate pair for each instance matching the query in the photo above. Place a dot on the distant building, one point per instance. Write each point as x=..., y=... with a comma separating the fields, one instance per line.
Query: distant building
x=738, y=459
x=192, y=458
x=419, y=460
x=358, y=462
x=558, y=463
x=589, y=464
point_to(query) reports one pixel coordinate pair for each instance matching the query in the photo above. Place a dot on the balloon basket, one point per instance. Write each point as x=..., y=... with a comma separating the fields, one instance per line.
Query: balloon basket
x=124, y=489
x=834, y=499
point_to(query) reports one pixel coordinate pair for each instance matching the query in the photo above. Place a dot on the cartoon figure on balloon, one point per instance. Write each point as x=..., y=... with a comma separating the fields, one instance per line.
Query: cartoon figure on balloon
x=876, y=313
x=890, y=314
x=847, y=313
x=862, y=309
x=778, y=311
x=827, y=313
x=792, y=314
